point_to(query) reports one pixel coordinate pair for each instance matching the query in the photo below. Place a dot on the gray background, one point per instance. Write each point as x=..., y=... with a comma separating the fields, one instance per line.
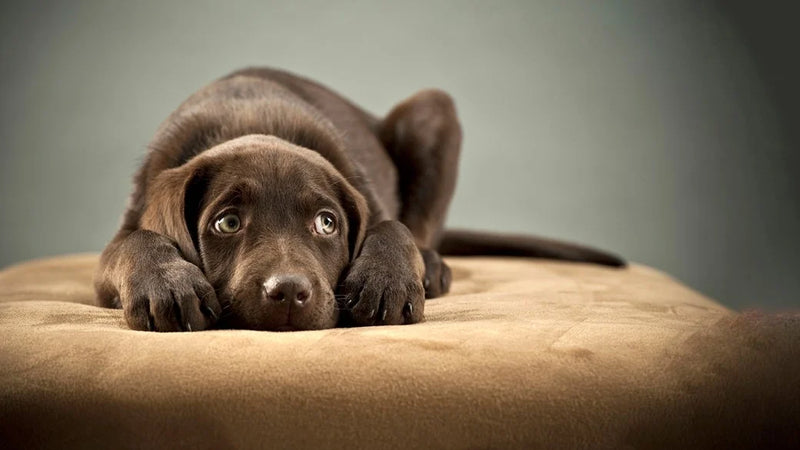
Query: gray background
x=667, y=132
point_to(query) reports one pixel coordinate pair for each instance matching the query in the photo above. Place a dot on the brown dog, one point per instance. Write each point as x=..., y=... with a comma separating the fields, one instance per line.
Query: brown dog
x=269, y=202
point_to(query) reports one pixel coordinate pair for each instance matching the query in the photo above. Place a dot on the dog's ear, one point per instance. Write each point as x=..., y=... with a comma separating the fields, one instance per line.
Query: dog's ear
x=174, y=202
x=355, y=206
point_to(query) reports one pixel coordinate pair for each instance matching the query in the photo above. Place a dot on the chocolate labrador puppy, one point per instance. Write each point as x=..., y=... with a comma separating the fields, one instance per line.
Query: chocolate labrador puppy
x=269, y=202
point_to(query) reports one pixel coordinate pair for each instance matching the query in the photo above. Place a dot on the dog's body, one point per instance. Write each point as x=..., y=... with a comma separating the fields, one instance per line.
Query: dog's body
x=273, y=203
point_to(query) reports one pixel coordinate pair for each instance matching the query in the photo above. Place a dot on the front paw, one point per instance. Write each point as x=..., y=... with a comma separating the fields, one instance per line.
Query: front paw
x=173, y=295
x=384, y=284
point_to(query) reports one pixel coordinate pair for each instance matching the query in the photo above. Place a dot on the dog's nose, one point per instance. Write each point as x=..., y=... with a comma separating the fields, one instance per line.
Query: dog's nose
x=289, y=287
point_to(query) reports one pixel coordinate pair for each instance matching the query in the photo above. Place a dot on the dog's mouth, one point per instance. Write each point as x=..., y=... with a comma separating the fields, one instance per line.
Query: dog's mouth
x=287, y=326
x=284, y=323
x=248, y=311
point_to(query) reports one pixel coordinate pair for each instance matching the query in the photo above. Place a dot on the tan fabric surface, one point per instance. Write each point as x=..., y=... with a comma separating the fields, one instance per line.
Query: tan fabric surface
x=522, y=353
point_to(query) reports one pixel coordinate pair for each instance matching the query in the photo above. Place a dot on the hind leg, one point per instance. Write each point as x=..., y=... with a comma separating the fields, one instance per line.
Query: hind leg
x=423, y=136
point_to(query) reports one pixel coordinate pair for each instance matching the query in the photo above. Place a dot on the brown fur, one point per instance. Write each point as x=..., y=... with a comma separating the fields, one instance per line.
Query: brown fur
x=276, y=151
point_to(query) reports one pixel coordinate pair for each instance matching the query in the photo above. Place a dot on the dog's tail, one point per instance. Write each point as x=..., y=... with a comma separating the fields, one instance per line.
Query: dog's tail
x=473, y=243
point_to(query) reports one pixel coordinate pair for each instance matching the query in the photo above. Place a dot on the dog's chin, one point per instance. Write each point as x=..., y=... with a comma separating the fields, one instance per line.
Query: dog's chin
x=257, y=316
x=239, y=323
x=299, y=325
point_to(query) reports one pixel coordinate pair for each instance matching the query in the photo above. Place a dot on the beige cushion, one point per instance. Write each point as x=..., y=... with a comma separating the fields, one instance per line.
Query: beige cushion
x=522, y=353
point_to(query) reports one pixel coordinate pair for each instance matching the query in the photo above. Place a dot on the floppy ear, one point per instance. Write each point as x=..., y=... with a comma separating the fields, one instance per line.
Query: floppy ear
x=173, y=208
x=355, y=206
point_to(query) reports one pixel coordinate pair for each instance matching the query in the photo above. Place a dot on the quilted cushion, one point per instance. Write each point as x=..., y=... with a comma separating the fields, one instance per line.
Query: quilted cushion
x=522, y=353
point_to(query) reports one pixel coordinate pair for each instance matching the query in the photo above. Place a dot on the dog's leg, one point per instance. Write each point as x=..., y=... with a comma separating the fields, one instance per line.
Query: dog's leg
x=384, y=283
x=145, y=274
x=423, y=136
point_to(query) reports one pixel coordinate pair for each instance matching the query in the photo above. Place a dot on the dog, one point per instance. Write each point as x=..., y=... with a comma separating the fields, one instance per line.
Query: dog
x=269, y=202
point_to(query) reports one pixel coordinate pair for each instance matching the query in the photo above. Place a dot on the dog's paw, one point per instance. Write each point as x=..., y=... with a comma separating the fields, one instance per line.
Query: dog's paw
x=173, y=295
x=384, y=284
x=437, y=274
x=380, y=295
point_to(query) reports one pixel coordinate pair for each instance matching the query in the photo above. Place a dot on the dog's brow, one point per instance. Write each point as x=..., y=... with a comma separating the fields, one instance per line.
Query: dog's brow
x=315, y=197
x=238, y=193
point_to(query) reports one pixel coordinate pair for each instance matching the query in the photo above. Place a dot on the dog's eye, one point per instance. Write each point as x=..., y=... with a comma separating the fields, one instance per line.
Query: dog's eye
x=229, y=223
x=325, y=223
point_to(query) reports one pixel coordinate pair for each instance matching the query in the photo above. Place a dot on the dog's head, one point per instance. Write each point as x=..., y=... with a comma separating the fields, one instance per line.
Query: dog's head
x=271, y=224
